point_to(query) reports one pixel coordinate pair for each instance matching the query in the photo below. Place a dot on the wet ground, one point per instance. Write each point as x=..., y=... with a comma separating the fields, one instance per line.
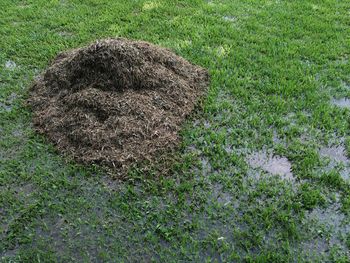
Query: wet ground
x=342, y=103
x=263, y=171
x=270, y=163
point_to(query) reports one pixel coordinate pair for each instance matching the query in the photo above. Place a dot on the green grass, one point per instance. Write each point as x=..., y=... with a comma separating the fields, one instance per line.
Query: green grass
x=275, y=67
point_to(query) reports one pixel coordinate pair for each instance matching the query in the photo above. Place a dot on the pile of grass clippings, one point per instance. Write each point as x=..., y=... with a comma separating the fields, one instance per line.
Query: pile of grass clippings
x=116, y=101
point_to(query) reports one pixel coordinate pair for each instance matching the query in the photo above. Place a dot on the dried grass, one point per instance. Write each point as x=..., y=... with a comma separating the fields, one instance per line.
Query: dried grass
x=116, y=101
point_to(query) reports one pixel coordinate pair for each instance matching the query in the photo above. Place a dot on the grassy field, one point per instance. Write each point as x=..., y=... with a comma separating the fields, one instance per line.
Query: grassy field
x=263, y=174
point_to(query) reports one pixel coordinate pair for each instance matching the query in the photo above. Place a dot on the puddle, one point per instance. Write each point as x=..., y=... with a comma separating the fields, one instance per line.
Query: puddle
x=306, y=62
x=330, y=217
x=338, y=158
x=335, y=153
x=290, y=117
x=342, y=61
x=65, y=34
x=276, y=139
x=17, y=133
x=228, y=149
x=342, y=103
x=5, y=107
x=12, y=97
x=273, y=164
x=331, y=226
x=230, y=18
x=196, y=123
x=206, y=166
x=345, y=173
x=220, y=195
x=193, y=150
x=11, y=65
x=207, y=124
x=345, y=85
x=24, y=190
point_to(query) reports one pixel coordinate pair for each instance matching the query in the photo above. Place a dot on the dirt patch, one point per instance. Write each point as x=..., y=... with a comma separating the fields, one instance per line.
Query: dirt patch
x=116, y=101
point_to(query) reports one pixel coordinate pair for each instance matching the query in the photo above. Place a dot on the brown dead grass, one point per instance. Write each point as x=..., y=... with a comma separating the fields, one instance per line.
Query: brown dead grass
x=116, y=102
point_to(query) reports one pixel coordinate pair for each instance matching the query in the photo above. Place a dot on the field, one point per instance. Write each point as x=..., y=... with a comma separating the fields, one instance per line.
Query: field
x=263, y=171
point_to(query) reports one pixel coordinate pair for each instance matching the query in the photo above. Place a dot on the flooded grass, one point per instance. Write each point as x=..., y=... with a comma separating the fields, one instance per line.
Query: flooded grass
x=273, y=164
x=331, y=228
x=337, y=160
x=336, y=153
x=264, y=169
x=342, y=103
x=230, y=18
x=11, y=65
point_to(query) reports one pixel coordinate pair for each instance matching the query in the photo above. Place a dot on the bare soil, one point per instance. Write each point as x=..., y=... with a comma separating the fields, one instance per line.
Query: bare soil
x=116, y=101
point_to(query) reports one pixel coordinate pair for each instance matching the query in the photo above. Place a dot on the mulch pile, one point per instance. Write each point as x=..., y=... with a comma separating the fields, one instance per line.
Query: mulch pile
x=116, y=101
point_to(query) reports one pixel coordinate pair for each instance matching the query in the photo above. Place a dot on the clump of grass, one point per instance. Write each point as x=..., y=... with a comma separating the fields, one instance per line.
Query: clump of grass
x=332, y=179
x=310, y=196
x=346, y=203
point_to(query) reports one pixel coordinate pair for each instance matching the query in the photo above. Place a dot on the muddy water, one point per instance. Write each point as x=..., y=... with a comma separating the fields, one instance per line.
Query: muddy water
x=273, y=164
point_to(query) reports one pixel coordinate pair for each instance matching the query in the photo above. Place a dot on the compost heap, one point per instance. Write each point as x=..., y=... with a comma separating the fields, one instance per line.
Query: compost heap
x=116, y=102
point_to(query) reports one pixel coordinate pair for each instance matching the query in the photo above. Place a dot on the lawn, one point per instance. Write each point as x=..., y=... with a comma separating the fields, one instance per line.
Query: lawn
x=263, y=171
